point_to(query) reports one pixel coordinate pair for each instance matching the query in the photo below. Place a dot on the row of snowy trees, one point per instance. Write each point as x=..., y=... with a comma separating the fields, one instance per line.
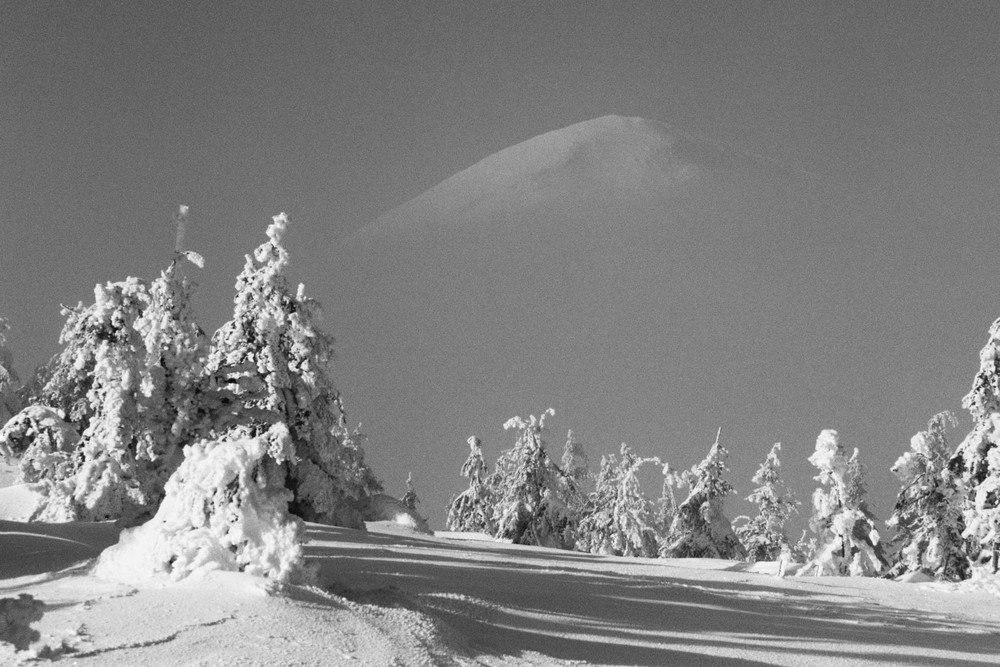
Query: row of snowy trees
x=946, y=517
x=531, y=499
x=141, y=414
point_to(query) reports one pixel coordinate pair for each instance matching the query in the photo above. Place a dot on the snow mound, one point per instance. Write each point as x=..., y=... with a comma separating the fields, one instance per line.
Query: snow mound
x=18, y=503
x=225, y=508
x=384, y=508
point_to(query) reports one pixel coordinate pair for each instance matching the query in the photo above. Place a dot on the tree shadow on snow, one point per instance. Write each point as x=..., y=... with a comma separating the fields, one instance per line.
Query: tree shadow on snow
x=510, y=599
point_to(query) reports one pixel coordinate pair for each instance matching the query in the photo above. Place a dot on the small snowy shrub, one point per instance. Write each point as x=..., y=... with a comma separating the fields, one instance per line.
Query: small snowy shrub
x=226, y=508
x=47, y=446
x=848, y=543
x=16, y=616
x=764, y=535
x=700, y=528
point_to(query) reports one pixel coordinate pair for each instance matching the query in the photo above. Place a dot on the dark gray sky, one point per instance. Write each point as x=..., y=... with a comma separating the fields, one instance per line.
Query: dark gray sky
x=113, y=113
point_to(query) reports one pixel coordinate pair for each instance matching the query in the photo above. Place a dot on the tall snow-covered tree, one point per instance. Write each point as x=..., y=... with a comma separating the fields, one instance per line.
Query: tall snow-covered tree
x=848, y=543
x=764, y=535
x=977, y=458
x=618, y=518
x=10, y=402
x=96, y=381
x=525, y=485
x=127, y=378
x=276, y=358
x=928, y=516
x=701, y=528
x=472, y=510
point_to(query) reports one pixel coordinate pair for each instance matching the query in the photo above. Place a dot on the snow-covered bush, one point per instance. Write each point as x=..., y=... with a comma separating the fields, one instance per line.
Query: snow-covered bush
x=276, y=359
x=47, y=446
x=701, y=528
x=848, y=543
x=977, y=458
x=618, y=519
x=16, y=616
x=928, y=516
x=525, y=488
x=472, y=510
x=225, y=508
x=764, y=535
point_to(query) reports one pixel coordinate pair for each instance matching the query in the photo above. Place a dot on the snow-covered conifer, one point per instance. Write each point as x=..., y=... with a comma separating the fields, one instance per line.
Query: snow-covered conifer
x=618, y=518
x=701, y=529
x=128, y=380
x=10, y=402
x=472, y=510
x=928, y=515
x=666, y=506
x=96, y=383
x=764, y=535
x=226, y=507
x=848, y=543
x=977, y=458
x=527, y=507
x=276, y=358
x=409, y=498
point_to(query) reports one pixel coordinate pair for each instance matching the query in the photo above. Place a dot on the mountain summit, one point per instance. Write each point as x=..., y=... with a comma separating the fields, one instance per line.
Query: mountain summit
x=647, y=284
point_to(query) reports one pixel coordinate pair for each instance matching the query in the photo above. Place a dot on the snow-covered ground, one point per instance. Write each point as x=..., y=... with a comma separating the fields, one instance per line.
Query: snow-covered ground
x=395, y=596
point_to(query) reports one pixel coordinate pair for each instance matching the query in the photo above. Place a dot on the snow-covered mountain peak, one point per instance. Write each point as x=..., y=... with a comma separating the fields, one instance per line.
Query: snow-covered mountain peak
x=611, y=158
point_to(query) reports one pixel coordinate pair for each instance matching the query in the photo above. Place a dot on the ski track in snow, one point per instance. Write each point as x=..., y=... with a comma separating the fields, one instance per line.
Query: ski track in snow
x=394, y=597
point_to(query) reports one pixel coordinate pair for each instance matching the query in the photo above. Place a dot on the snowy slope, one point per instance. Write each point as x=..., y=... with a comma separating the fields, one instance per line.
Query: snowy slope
x=395, y=597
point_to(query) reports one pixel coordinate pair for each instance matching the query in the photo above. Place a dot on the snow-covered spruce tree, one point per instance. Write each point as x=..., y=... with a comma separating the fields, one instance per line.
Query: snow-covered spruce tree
x=10, y=402
x=573, y=484
x=701, y=529
x=276, y=359
x=848, y=543
x=95, y=382
x=764, y=535
x=226, y=507
x=410, y=499
x=977, y=458
x=928, y=516
x=471, y=511
x=128, y=380
x=666, y=506
x=525, y=488
x=618, y=519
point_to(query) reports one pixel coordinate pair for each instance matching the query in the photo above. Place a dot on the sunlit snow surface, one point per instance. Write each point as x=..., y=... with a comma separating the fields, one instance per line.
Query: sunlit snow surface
x=393, y=596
